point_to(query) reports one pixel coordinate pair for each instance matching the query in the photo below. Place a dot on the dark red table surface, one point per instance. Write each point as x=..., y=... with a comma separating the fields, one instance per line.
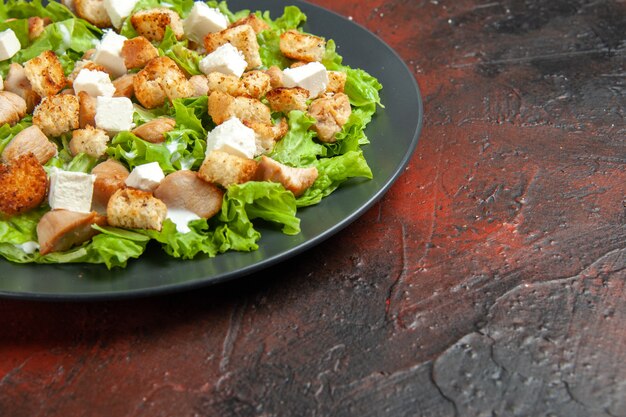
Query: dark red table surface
x=489, y=281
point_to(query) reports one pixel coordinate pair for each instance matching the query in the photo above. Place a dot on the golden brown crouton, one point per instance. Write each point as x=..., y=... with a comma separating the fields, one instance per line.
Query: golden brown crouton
x=276, y=76
x=296, y=180
x=57, y=114
x=225, y=169
x=36, y=25
x=137, y=52
x=266, y=135
x=331, y=114
x=154, y=131
x=90, y=141
x=85, y=64
x=223, y=106
x=16, y=82
x=93, y=11
x=87, y=110
x=241, y=37
x=23, y=185
x=59, y=230
x=256, y=83
x=110, y=177
x=135, y=209
x=285, y=99
x=152, y=23
x=30, y=140
x=200, y=84
x=226, y=83
x=45, y=74
x=184, y=189
x=302, y=47
x=257, y=24
x=12, y=108
x=124, y=86
x=336, y=81
x=159, y=80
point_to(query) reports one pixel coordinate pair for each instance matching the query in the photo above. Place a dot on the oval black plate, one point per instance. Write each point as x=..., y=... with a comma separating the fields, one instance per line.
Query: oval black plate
x=393, y=134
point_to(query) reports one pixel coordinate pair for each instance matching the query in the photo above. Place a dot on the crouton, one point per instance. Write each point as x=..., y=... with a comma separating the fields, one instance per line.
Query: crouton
x=93, y=11
x=285, y=99
x=45, y=74
x=86, y=110
x=90, y=141
x=110, y=177
x=23, y=185
x=154, y=131
x=276, y=76
x=241, y=37
x=266, y=135
x=223, y=106
x=137, y=52
x=256, y=83
x=226, y=83
x=225, y=169
x=159, y=80
x=336, y=82
x=302, y=47
x=85, y=64
x=296, y=180
x=256, y=23
x=200, y=84
x=59, y=230
x=152, y=23
x=12, y=108
x=36, y=25
x=16, y=82
x=57, y=114
x=331, y=114
x=30, y=140
x=135, y=209
x=184, y=189
x=124, y=86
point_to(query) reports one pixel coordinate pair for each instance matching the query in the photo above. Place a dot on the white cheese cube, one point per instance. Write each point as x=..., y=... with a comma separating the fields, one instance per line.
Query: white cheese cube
x=226, y=59
x=114, y=114
x=119, y=10
x=108, y=53
x=9, y=44
x=202, y=20
x=94, y=83
x=232, y=137
x=145, y=177
x=312, y=76
x=70, y=190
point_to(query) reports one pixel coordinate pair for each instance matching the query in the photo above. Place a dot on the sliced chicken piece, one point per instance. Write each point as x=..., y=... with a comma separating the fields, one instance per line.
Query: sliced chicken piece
x=23, y=185
x=124, y=86
x=331, y=114
x=86, y=110
x=30, y=140
x=154, y=131
x=296, y=180
x=17, y=83
x=184, y=189
x=110, y=177
x=59, y=230
x=12, y=108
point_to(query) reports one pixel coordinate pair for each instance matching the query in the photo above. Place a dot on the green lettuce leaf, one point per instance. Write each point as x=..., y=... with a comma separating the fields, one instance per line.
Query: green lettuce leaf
x=184, y=245
x=253, y=200
x=177, y=50
x=297, y=148
x=21, y=9
x=332, y=173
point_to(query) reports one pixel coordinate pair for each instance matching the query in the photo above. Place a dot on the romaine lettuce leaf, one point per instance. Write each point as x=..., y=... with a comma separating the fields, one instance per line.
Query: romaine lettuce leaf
x=297, y=148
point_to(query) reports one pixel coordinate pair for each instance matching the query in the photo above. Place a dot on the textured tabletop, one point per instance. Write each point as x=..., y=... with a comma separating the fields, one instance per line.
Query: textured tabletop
x=489, y=281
